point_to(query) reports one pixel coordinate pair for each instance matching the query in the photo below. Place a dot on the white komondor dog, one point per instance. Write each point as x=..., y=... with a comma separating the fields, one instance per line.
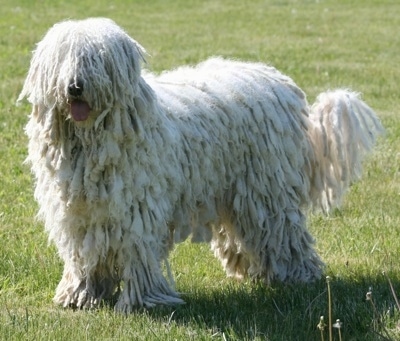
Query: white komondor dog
x=127, y=163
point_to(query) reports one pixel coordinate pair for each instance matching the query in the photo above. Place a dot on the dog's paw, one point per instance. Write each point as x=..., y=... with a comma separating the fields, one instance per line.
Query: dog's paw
x=130, y=302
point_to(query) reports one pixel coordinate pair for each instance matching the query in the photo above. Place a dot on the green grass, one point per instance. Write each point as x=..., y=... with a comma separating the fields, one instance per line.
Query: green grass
x=321, y=45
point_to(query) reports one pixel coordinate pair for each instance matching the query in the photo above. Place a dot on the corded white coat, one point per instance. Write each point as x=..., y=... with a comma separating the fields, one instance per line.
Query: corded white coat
x=227, y=151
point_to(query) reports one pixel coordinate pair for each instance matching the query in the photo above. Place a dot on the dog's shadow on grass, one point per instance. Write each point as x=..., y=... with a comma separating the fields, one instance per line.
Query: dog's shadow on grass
x=286, y=311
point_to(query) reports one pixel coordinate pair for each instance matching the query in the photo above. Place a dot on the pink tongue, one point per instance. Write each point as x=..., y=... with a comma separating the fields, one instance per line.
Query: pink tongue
x=80, y=110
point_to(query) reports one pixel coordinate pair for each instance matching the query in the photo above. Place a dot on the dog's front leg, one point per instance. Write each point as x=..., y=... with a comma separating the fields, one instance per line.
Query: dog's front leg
x=144, y=284
x=78, y=289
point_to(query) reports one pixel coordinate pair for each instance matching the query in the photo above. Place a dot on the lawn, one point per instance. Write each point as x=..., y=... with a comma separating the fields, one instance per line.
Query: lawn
x=321, y=44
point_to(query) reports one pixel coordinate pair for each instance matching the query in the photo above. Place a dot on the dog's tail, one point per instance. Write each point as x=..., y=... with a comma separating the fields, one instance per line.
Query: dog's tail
x=344, y=129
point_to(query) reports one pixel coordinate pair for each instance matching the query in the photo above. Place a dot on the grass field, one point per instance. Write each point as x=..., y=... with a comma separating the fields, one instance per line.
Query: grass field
x=320, y=44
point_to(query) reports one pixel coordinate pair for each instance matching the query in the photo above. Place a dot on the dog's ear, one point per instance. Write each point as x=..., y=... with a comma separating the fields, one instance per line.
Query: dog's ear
x=119, y=65
x=134, y=54
x=141, y=52
x=32, y=87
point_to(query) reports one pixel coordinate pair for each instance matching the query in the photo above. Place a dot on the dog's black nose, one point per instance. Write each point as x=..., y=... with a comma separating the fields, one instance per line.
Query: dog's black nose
x=75, y=89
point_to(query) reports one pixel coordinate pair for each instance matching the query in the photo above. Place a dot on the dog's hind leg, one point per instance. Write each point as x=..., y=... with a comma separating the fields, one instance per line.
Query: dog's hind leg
x=267, y=246
x=284, y=250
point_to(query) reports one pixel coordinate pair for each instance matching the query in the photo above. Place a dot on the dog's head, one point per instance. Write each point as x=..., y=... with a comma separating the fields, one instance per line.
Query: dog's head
x=82, y=69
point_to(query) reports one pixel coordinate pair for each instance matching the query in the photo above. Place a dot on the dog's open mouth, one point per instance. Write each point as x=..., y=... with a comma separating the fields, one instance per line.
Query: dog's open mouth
x=80, y=110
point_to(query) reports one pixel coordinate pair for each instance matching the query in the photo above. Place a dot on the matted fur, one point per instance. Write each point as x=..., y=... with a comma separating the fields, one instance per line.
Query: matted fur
x=227, y=151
